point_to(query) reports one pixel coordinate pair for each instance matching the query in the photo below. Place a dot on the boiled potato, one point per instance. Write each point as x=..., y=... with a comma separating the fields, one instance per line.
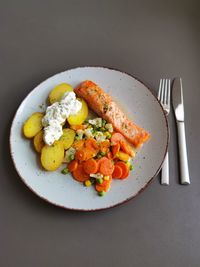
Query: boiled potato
x=80, y=116
x=52, y=156
x=33, y=125
x=58, y=91
x=38, y=141
x=67, y=138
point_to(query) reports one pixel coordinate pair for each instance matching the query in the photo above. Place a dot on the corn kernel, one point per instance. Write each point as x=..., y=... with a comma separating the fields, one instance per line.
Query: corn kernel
x=107, y=178
x=88, y=183
x=128, y=164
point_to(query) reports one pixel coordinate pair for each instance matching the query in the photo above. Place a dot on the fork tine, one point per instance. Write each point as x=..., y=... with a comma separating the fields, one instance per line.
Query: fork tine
x=159, y=91
x=165, y=92
x=168, y=99
x=162, y=92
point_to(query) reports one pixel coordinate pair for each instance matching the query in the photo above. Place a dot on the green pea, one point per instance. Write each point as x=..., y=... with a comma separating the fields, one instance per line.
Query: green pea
x=99, y=180
x=101, y=193
x=102, y=153
x=71, y=157
x=65, y=171
x=131, y=167
x=104, y=122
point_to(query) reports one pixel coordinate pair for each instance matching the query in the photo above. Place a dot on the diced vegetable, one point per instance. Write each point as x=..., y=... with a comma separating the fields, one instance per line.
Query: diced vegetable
x=90, y=166
x=106, y=166
x=72, y=166
x=117, y=173
x=115, y=149
x=87, y=183
x=101, y=193
x=65, y=171
x=80, y=175
x=125, y=169
x=69, y=154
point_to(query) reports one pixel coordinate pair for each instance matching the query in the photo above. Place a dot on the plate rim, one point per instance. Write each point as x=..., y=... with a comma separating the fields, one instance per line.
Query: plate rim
x=96, y=209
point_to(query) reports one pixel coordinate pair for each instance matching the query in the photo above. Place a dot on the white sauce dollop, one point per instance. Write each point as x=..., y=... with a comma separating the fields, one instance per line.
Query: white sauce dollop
x=56, y=114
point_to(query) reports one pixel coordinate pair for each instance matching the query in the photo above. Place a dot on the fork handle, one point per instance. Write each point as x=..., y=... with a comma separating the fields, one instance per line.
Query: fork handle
x=184, y=171
x=165, y=171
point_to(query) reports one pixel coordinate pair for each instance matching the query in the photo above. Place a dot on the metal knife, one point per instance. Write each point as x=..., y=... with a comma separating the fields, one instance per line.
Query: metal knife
x=177, y=100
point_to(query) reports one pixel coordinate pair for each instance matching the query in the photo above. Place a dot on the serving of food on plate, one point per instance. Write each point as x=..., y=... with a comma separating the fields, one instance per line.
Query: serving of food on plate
x=95, y=148
x=76, y=135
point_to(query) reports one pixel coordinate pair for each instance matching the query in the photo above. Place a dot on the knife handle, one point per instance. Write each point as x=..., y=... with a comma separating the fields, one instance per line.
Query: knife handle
x=185, y=179
x=165, y=171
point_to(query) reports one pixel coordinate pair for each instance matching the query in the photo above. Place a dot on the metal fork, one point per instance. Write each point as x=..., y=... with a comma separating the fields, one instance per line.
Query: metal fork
x=164, y=98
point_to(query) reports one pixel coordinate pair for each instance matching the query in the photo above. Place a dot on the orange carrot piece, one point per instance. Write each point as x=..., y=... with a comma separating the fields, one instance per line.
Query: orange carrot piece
x=125, y=147
x=91, y=143
x=104, y=146
x=117, y=173
x=72, y=166
x=78, y=144
x=109, y=155
x=125, y=169
x=79, y=174
x=115, y=149
x=106, y=167
x=105, y=186
x=77, y=127
x=80, y=155
x=117, y=137
x=90, y=166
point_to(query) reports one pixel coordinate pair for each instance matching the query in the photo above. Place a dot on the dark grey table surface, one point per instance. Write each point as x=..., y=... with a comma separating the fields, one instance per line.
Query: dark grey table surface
x=149, y=39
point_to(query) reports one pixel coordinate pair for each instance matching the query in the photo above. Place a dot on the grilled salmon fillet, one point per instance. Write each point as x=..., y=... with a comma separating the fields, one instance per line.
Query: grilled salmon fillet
x=102, y=104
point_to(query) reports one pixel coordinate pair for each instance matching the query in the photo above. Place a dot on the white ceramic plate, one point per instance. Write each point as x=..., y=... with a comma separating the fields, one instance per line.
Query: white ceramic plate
x=61, y=190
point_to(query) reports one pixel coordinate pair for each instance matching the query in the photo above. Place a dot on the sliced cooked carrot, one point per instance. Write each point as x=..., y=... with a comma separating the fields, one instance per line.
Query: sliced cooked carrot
x=125, y=169
x=77, y=127
x=79, y=174
x=104, y=146
x=117, y=137
x=80, y=155
x=109, y=155
x=90, y=153
x=78, y=144
x=91, y=143
x=105, y=186
x=125, y=147
x=90, y=166
x=72, y=166
x=117, y=173
x=106, y=167
x=115, y=149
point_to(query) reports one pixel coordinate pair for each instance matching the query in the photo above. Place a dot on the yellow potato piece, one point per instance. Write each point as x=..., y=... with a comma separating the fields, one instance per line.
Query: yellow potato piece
x=57, y=93
x=67, y=138
x=80, y=116
x=52, y=156
x=33, y=125
x=38, y=141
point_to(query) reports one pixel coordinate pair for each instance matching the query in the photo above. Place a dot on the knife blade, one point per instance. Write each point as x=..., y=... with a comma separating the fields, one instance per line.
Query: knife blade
x=178, y=105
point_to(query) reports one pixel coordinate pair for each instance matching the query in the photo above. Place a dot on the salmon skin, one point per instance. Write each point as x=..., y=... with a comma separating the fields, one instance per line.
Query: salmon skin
x=102, y=104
